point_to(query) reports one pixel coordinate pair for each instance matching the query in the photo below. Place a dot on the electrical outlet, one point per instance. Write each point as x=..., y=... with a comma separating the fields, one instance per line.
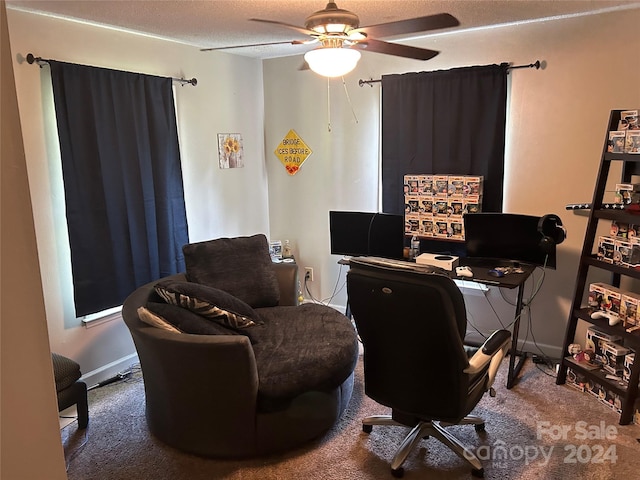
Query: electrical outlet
x=308, y=274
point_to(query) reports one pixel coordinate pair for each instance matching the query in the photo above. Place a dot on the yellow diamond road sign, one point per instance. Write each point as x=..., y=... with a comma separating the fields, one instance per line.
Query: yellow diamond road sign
x=292, y=152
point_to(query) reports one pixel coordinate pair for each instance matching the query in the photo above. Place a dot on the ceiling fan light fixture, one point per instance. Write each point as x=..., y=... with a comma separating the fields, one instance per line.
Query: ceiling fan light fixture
x=332, y=20
x=332, y=62
x=336, y=28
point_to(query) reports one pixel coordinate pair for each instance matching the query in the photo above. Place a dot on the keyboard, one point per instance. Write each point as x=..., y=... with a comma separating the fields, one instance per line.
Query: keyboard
x=398, y=264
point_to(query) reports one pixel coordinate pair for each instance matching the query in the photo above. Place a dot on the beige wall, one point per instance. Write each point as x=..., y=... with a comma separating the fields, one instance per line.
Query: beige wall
x=556, y=127
x=30, y=438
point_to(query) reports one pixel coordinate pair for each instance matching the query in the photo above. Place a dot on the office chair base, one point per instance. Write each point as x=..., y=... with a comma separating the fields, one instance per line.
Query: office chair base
x=426, y=429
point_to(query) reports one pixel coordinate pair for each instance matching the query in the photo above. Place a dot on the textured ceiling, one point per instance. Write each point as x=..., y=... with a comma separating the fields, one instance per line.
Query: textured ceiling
x=206, y=24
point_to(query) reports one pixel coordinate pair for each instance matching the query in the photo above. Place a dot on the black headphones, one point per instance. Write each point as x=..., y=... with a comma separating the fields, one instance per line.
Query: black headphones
x=552, y=231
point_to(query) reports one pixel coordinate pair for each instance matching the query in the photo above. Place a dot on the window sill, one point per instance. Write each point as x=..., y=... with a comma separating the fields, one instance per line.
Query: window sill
x=101, y=318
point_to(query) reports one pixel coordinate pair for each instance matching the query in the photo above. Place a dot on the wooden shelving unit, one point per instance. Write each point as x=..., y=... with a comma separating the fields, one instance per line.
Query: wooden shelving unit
x=628, y=393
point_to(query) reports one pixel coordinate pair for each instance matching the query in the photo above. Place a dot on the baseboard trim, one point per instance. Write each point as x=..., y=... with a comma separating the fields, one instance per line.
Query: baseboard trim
x=110, y=370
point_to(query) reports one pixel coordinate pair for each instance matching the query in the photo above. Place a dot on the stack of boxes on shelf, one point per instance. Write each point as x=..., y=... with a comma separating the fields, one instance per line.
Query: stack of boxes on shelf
x=622, y=245
x=605, y=350
x=626, y=139
x=434, y=204
x=623, y=303
x=608, y=353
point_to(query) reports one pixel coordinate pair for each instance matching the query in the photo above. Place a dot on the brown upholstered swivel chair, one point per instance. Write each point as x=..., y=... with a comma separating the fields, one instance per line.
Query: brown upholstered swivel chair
x=412, y=323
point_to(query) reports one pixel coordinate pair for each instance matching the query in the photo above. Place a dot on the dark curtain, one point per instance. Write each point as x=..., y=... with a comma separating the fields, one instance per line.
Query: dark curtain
x=122, y=179
x=444, y=122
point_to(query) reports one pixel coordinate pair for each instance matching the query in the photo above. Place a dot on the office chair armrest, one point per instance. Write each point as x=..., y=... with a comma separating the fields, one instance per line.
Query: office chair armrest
x=497, y=343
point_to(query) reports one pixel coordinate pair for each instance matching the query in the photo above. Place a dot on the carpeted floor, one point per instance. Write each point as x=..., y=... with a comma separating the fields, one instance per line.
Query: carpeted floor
x=520, y=441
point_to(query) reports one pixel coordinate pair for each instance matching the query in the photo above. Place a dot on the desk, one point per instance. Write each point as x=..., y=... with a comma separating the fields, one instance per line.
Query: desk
x=480, y=268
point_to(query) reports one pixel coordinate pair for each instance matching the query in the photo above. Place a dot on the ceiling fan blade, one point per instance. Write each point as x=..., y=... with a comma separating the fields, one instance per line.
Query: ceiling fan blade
x=288, y=42
x=411, y=25
x=302, y=30
x=379, y=46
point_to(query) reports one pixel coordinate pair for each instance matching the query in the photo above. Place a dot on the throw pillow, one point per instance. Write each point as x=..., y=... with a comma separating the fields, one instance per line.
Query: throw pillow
x=185, y=320
x=155, y=321
x=241, y=266
x=209, y=302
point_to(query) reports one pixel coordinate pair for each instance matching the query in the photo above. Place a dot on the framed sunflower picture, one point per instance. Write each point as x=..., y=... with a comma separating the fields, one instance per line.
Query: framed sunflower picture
x=230, y=150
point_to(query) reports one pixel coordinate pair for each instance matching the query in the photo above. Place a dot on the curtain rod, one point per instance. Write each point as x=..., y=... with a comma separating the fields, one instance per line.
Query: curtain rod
x=31, y=59
x=535, y=65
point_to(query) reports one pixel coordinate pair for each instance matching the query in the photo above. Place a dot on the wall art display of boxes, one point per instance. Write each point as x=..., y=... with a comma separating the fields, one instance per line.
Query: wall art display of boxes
x=434, y=204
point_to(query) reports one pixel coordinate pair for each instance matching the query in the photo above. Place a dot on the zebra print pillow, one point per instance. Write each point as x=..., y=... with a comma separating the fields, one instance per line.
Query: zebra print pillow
x=209, y=302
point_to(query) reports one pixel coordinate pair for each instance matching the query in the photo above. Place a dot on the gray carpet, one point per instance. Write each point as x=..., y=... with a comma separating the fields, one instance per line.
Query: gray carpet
x=117, y=444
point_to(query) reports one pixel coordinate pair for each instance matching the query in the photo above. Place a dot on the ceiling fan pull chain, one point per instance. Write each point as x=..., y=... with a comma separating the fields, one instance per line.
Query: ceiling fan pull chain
x=353, y=112
x=329, y=104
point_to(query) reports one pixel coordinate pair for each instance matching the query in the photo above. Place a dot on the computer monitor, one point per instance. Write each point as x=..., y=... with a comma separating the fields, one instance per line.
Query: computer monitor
x=507, y=236
x=366, y=234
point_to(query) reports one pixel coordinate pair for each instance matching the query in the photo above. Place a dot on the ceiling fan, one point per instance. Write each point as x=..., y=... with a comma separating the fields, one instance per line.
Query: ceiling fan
x=340, y=37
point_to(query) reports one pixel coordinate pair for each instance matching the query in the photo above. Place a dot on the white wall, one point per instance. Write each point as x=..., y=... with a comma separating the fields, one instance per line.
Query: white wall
x=556, y=127
x=228, y=99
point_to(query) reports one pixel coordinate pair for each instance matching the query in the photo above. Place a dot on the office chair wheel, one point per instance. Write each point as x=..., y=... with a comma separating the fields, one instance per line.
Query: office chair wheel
x=397, y=472
x=478, y=473
x=367, y=428
x=479, y=427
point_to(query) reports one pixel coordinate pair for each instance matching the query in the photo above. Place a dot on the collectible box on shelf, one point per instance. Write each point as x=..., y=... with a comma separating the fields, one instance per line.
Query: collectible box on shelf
x=632, y=141
x=603, y=296
x=616, y=141
x=627, y=252
x=621, y=251
x=606, y=247
x=629, y=311
x=614, y=358
x=627, y=193
x=623, y=229
x=597, y=293
x=629, y=120
x=628, y=361
x=596, y=340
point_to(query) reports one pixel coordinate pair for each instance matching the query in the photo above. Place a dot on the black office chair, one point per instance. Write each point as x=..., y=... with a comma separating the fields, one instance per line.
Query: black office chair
x=412, y=322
